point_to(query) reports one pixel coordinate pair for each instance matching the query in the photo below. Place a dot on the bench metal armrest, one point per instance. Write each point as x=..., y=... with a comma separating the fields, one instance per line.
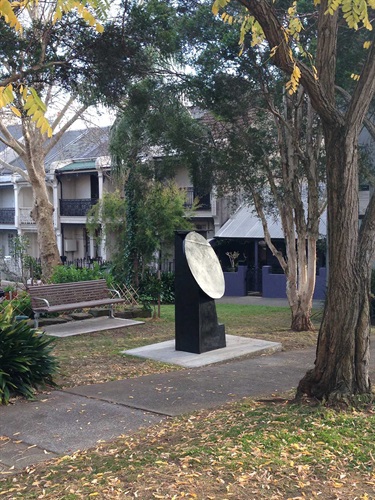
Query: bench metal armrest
x=116, y=292
x=44, y=300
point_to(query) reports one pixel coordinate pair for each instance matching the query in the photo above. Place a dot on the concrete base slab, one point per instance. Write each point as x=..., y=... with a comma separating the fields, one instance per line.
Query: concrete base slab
x=236, y=347
x=88, y=326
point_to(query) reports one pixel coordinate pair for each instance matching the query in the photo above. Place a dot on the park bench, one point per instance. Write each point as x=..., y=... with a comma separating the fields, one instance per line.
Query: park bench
x=69, y=296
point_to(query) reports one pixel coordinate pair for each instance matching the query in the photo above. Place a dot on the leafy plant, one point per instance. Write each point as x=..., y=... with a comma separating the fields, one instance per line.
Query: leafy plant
x=151, y=286
x=21, y=304
x=26, y=361
x=69, y=274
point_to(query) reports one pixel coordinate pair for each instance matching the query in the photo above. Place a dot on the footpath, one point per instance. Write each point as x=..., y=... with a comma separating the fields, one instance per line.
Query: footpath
x=65, y=421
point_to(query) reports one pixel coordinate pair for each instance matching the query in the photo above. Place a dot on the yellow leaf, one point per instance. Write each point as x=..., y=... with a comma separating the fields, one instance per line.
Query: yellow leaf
x=273, y=50
x=16, y=111
x=45, y=126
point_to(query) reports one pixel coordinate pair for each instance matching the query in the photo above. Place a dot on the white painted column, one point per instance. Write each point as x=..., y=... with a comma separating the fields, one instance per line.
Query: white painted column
x=92, y=247
x=16, y=203
x=100, y=183
x=102, y=248
x=56, y=215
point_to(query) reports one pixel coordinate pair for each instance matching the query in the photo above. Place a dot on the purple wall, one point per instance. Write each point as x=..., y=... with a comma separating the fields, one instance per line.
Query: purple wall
x=235, y=283
x=274, y=285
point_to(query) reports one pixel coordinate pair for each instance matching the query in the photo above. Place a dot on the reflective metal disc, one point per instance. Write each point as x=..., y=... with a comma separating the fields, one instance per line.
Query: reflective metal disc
x=204, y=265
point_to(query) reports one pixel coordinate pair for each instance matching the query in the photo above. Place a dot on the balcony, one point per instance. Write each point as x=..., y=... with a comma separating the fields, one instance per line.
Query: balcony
x=76, y=208
x=204, y=202
x=25, y=217
x=7, y=216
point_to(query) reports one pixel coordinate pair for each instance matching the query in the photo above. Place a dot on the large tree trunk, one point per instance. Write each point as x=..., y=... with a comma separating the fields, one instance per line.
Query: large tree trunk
x=342, y=356
x=42, y=211
x=342, y=359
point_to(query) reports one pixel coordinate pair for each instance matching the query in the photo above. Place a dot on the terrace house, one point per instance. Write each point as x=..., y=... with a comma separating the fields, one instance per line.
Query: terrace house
x=77, y=176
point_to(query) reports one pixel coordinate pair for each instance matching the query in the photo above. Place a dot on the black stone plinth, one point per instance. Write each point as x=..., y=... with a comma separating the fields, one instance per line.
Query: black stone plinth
x=196, y=326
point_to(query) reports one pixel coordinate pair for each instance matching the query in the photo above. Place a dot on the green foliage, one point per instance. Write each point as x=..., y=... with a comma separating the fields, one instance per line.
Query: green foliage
x=159, y=213
x=151, y=286
x=34, y=267
x=26, y=361
x=21, y=304
x=70, y=274
x=109, y=213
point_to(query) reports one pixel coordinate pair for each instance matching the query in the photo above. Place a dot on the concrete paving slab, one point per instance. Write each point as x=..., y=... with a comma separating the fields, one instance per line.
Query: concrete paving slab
x=62, y=423
x=236, y=347
x=88, y=326
x=187, y=390
x=15, y=455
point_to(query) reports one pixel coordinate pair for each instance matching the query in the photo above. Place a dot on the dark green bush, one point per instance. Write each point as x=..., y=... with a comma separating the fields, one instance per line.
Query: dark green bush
x=26, y=362
x=150, y=287
x=69, y=274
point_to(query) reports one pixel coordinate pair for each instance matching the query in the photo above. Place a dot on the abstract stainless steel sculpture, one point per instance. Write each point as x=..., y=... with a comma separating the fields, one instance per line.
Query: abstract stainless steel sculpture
x=198, y=281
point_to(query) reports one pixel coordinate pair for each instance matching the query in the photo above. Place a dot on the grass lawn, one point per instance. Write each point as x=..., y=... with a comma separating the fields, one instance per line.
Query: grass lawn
x=246, y=450
x=96, y=357
x=269, y=449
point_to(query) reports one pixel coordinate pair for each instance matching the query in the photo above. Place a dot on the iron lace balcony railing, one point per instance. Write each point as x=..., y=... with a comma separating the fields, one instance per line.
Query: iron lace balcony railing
x=76, y=208
x=204, y=202
x=7, y=215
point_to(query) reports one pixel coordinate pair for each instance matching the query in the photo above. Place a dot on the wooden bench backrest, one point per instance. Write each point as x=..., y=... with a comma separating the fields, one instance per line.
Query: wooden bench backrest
x=69, y=293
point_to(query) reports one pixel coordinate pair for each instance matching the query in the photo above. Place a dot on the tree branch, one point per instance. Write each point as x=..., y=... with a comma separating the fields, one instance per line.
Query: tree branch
x=363, y=92
x=61, y=115
x=10, y=141
x=274, y=32
x=370, y=126
x=20, y=74
x=55, y=139
x=15, y=170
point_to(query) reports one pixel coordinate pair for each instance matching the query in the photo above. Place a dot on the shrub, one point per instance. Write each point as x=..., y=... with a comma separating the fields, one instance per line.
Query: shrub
x=21, y=304
x=26, y=361
x=69, y=274
x=150, y=287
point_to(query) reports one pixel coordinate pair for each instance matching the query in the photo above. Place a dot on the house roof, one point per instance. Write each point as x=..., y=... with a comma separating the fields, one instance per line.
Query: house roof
x=78, y=165
x=246, y=224
x=85, y=144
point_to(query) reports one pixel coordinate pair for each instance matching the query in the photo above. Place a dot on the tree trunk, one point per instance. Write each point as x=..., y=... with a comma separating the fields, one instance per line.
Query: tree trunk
x=342, y=356
x=301, y=306
x=42, y=211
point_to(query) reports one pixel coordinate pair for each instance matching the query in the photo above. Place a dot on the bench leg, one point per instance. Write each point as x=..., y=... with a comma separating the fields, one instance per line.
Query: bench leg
x=111, y=315
x=36, y=320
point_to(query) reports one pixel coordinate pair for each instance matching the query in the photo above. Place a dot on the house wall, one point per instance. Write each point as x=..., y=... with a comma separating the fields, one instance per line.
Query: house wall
x=274, y=285
x=33, y=248
x=25, y=197
x=235, y=282
x=7, y=197
x=5, y=236
x=75, y=241
x=182, y=178
x=76, y=186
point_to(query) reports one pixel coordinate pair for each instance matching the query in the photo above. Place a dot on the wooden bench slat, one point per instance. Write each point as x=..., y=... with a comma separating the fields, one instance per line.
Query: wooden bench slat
x=78, y=305
x=70, y=296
